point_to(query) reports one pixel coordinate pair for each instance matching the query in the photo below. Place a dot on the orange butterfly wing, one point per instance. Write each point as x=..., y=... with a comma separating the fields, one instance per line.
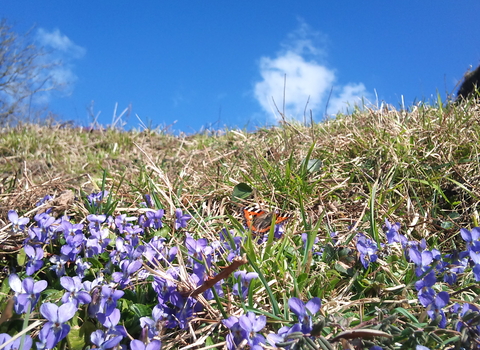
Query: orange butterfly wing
x=260, y=221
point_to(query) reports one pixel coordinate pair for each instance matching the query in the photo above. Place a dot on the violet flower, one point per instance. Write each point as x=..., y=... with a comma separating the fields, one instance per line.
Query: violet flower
x=244, y=280
x=35, y=261
x=252, y=325
x=15, y=345
x=18, y=224
x=139, y=345
x=76, y=293
x=367, y=249
x=237, y=334
x=424, y=286
x=56, y=328
x=154, y=219
x=58, y=264
x=27, y=292
x=283, y=335
x=392, y=231
x=435, y=308
x=128, y=268
x=104, y=341
x=304, y=312
x=110, y=322
x=95, y=222
x=181, y=219
x=109, y=297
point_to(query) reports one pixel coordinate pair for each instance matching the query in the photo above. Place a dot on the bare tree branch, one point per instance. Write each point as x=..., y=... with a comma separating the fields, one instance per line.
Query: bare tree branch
x=24, y=72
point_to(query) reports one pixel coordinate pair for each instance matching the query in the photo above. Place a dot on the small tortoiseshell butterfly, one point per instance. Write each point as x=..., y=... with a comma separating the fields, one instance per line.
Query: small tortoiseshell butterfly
x=259, y=221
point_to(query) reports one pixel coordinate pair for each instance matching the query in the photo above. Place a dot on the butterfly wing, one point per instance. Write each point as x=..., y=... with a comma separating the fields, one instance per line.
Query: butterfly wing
x=260, y=221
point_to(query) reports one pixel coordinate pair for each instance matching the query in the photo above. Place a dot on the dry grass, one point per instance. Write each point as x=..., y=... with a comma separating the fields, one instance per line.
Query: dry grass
x=424, y=163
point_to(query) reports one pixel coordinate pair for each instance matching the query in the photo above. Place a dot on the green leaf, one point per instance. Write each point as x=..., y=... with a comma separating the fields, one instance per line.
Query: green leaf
x=312, y=165
x=407, y=314
x=241, y=191
x=77, y=336
x=140, y=310
x=21, y=257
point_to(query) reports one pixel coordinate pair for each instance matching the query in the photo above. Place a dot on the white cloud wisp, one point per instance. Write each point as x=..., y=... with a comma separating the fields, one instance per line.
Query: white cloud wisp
x=60, y=53
x=296, y=75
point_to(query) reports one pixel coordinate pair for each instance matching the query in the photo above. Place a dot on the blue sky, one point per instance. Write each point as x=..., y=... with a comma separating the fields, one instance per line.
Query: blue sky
x=193, y=64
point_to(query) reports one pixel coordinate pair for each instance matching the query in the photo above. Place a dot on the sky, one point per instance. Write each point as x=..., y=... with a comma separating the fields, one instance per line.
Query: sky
x=185, y=66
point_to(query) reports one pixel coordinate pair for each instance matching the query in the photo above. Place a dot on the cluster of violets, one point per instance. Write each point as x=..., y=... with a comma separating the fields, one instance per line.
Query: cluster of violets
x=132, y=256
x=122, y=238
x=430, y=268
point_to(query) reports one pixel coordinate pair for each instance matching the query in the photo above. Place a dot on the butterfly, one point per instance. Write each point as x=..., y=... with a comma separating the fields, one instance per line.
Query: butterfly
x=260, y=221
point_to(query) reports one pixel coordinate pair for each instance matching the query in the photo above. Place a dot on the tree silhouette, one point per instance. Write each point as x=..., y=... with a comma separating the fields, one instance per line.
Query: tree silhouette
x=470, y=84
x=24, y=72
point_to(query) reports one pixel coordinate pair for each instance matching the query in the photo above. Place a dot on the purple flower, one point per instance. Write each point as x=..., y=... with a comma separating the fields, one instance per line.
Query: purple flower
x=70, y=229
x=154, y=219
x=474, y=252
x=244, y=281
x=152, y=324
x=104, y=341
x=44, y=200
x=470, y=236
x=96, y=198
x=133, y=233
x=27, y=344
x=226, y=244
x=109, y=299
x=392, y=232
x=18, y=224
x=123, y=221
x=81, y=266
x=476, y=272
x=367, y=249
x=58, y=264
x=421, y=347
x=425, y=293
x=252, y=325
x=97, y=243
x=35, y=261
x=237, y=334
x=27, y=292
x=75, y=291
x=73, y=245
x=435, y=308
x=155, y=250
x=470, y=323
x=164, y=287
x=198, y=249
x=110, y=322
x=283, y=334
x=181, y=220
x=139, y=345
x=305, y=240
x=148, y=201
x=45, y=222
x=56, y=328
x=128, y=268
x=304, y=312
x=421, y=259
x=95, y=222
x=183, y=309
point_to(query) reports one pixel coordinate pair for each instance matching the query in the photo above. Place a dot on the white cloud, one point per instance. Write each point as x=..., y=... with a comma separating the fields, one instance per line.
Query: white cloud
x=350, y=95
x=60, y=42
x=60, y=53
x=297, y=73
x=302, y=80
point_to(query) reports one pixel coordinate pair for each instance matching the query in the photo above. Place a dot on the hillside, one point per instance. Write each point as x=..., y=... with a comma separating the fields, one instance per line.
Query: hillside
x=345, y=182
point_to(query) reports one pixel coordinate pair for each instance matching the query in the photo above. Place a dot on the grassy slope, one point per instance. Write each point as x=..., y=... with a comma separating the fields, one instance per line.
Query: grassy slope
x=420, y=168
